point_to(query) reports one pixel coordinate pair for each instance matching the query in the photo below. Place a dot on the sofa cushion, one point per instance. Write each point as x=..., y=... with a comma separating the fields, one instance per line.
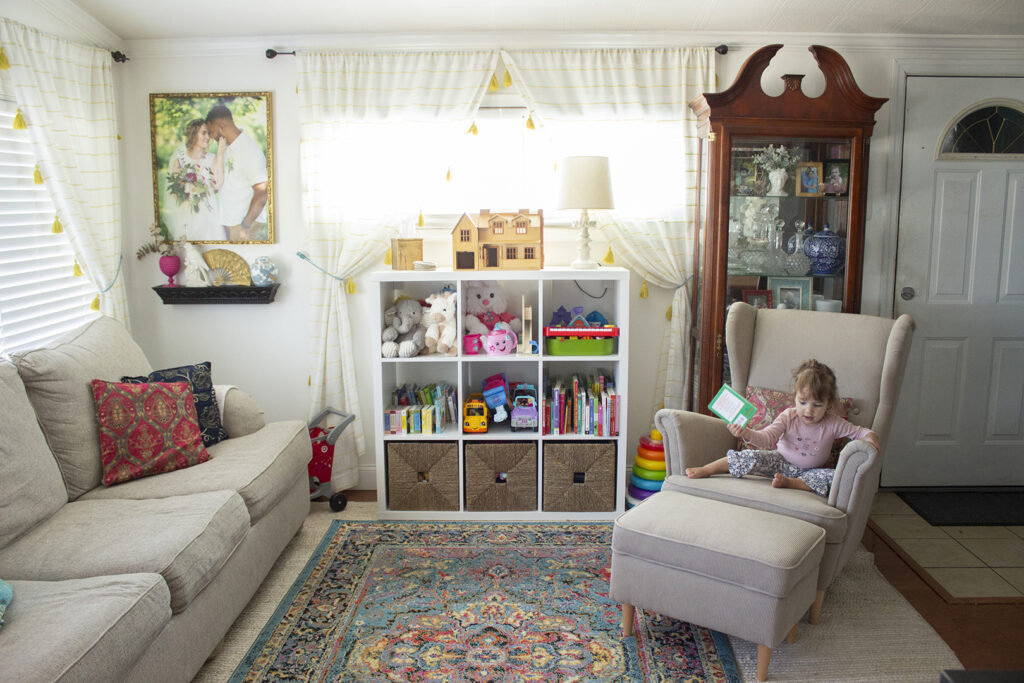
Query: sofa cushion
x=90, y=629
x=201, y=382
x=186, y=539
x=31, y=486
x=57, y=378
x=146, y=429
x=261, y=467
x=758, y=493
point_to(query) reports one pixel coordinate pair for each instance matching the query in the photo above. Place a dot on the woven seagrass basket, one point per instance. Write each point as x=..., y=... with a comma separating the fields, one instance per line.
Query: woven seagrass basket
x=579, y=476
x=423, y=475
x=501, y=476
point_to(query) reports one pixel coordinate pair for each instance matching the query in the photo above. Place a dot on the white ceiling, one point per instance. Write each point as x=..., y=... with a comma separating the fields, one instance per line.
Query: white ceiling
x=147, y=19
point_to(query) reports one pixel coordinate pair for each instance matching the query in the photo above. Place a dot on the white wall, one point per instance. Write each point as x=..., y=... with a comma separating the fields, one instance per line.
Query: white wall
x=264, y=348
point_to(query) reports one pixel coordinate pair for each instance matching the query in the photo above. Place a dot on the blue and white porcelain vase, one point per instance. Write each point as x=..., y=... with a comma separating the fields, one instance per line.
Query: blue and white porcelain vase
x=264, y=272
x=827, y=252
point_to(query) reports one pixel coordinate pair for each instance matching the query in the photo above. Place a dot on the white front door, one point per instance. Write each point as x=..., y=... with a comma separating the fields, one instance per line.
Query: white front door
x=960, y=274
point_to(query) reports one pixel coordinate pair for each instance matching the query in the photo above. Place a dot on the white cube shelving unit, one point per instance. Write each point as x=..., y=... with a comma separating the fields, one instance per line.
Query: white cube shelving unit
x=604, y=289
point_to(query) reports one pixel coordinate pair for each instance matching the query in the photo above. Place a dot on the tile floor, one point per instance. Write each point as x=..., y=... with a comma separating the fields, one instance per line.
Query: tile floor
x=967, y=562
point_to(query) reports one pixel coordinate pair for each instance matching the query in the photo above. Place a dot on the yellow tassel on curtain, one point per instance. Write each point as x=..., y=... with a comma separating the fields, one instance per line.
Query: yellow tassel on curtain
x=4, y=64
x=668, y=314
x=77, y=271
x=609, y=258
x=95, y=305
x=387, y=257
x=448, y=175
x=507, y=80
x=529, y=123
x=493, y=85
x=350, y=286
x=119, y=138
x=57, y=227
x=472, y=129
x=37, y=177
x=643, y=290
x=309, y=380
x=19, y=121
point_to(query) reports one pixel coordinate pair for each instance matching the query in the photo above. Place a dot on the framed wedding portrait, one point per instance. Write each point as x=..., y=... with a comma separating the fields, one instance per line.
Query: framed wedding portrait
x=213, y=166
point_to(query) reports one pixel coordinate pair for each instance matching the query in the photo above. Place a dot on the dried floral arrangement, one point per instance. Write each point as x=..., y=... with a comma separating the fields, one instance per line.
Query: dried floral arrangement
x=777, y=157
x=158, y=245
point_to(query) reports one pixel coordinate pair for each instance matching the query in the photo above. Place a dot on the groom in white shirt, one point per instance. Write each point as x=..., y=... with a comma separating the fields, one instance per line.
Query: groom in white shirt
x=243, y=196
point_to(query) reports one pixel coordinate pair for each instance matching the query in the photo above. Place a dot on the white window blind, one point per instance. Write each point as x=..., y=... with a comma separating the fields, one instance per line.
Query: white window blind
x=40, y=297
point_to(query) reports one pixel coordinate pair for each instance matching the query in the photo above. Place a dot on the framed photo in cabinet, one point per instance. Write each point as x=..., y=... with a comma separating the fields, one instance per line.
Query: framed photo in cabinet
x=808, y=179
x=791, y=292
x=836, y=181
x=758, y=298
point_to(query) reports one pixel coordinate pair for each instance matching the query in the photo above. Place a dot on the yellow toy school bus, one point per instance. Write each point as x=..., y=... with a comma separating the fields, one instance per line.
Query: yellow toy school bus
x=474, y=414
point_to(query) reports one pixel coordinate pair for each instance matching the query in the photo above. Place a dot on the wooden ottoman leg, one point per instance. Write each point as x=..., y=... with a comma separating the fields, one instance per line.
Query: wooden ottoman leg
x=764, y=655
x=791, y=636
x=816, y=607
x=627, y=620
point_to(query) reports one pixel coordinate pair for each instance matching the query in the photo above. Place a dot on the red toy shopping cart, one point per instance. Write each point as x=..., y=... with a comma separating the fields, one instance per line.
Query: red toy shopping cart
x=320, y=466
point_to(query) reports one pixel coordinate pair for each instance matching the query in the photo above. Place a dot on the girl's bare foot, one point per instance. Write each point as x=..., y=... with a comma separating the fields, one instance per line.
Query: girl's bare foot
x=697, y=472
x=782, y=482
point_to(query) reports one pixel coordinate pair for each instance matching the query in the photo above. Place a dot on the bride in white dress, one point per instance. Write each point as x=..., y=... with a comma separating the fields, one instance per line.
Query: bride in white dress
x=193, y=180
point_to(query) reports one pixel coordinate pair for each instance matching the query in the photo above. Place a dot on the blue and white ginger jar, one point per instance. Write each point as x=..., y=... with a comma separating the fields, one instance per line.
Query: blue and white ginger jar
x=827, y=252
x=264, y=272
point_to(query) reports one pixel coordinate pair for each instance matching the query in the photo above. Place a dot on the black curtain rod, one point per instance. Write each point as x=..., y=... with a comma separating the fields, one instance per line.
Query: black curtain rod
x=119, y=56
x=271, y=52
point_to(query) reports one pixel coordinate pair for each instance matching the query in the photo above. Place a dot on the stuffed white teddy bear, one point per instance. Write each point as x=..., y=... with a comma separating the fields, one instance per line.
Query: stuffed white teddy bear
x=486, y=305
x=403, y=335
x=440, y=322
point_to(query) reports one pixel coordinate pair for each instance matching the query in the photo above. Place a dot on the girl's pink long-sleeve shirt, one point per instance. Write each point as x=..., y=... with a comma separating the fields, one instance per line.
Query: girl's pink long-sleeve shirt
x=801, y=444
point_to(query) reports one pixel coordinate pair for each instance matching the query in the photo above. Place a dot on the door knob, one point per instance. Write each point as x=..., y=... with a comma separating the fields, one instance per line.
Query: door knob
x=907, y=293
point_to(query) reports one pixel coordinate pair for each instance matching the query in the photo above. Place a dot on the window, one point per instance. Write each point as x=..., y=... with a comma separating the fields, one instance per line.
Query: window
x=40, y=298
x=528, y=253
x=990, y=128
x=464, y=235
x=498, y=228
x=510, y=253
x=520, y=230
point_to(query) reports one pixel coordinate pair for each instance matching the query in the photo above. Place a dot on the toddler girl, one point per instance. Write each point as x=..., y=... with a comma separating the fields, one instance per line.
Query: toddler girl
x=798, y=442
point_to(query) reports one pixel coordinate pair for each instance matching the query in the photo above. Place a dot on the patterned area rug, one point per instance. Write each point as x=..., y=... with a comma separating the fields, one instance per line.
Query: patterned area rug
x=470, y=601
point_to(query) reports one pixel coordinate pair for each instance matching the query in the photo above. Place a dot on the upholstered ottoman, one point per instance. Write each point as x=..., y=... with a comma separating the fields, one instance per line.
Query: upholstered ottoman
x=737, y=570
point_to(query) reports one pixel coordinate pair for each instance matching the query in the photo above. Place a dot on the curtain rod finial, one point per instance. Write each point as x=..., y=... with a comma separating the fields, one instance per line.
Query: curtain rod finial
x=119, y=56
x=722, y=49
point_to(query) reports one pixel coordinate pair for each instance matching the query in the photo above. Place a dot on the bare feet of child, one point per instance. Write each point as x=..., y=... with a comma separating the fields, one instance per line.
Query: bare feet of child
x=720, y=466
x=697, y=472
x=782, y=482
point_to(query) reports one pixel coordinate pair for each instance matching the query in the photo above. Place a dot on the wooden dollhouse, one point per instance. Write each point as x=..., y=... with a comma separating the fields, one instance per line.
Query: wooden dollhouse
x=499, y=241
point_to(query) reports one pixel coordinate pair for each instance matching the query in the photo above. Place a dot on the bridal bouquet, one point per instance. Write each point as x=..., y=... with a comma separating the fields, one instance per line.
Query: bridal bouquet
x=188, y=186
x=777, y=157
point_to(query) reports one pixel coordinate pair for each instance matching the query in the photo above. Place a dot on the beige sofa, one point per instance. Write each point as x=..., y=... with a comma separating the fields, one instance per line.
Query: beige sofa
x=141, y=580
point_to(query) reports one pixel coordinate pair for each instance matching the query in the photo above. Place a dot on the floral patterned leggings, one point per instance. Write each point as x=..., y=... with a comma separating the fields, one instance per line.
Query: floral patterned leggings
x=770, y=463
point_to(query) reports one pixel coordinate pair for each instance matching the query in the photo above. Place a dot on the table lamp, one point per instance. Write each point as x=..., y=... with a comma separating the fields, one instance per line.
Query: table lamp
x=585, y=184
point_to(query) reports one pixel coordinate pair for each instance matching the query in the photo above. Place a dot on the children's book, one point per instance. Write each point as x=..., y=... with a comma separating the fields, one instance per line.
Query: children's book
x=731, y=407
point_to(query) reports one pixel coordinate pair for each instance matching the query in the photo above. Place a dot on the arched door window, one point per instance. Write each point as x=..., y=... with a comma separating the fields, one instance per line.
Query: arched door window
x=989, y=128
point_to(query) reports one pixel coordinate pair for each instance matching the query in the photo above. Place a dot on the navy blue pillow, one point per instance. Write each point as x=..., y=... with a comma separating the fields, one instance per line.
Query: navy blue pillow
x=198, y=376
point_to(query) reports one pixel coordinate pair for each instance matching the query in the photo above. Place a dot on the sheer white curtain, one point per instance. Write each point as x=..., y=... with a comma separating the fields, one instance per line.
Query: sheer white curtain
x=642, y=95
x=367, y=122
x=65, y=94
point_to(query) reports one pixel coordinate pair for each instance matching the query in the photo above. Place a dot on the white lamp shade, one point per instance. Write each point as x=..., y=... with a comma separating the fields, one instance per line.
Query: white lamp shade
x=585, y=183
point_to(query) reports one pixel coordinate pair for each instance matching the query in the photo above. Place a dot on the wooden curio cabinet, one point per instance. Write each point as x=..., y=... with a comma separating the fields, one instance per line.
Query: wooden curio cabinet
x=796, y=242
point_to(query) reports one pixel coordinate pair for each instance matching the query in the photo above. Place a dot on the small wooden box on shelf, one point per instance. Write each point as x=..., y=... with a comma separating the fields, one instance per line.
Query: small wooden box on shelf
x=523, y=455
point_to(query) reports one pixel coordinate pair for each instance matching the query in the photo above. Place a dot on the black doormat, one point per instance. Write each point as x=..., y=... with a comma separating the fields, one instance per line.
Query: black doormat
x=968, y=508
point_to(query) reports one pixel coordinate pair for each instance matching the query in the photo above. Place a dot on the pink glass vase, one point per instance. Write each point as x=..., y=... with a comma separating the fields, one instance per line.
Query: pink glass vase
x=169, y=266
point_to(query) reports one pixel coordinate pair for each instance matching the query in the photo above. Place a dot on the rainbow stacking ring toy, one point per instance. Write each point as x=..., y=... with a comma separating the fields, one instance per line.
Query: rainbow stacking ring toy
x=648, y=472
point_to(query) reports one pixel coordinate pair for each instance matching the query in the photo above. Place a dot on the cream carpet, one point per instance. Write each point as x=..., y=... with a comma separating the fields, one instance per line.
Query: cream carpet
x=867, y=633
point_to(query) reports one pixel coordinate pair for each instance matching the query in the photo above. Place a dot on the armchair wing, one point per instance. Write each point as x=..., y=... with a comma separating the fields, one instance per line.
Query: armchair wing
x=691, y=439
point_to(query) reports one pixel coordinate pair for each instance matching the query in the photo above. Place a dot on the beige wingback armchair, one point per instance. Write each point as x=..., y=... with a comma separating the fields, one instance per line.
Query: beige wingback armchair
x=868, y=355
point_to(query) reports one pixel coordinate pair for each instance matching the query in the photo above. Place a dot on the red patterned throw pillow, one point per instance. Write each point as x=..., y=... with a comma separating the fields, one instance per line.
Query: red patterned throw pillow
x=770, y=403
x=146, y=429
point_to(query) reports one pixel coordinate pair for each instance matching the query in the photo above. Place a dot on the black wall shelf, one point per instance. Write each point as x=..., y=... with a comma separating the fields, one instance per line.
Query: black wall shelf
x=226, y=294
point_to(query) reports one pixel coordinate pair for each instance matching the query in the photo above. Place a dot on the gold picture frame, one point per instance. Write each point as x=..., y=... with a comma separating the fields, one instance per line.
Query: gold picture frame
x=213, y=166
x=808, y=179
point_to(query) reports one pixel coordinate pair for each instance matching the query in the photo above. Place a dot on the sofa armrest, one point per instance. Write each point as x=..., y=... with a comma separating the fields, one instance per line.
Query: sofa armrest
x=691, y=439
x=240, y=414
